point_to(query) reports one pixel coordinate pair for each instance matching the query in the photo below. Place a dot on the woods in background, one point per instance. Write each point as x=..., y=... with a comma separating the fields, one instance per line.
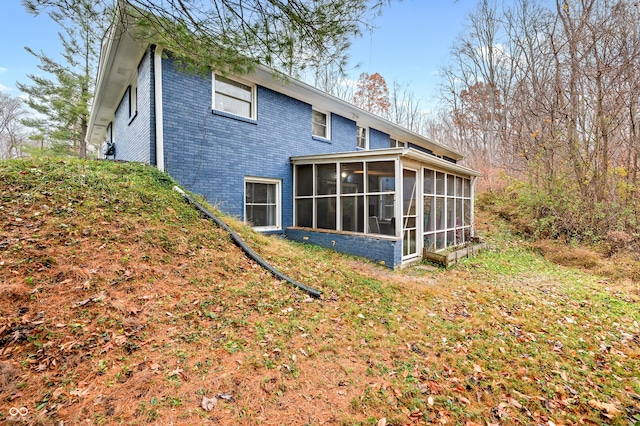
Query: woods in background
x=548, y=94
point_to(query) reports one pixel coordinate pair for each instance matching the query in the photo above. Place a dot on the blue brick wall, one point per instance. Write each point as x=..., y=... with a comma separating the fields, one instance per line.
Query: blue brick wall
x=387, y=251
x=211, y=153
x=132, y=136
x=343, y=131
x=378, y=139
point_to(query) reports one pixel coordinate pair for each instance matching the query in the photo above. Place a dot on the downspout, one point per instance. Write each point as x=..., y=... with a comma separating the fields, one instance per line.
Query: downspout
x=248, y=250
x=157, y=83
x=473, y=205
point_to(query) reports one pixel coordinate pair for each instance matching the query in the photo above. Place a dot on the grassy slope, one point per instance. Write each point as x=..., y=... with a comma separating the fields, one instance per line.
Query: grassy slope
x=119, y=304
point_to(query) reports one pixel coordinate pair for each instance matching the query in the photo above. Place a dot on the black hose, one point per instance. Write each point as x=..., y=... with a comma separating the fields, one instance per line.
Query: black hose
x=248, y=250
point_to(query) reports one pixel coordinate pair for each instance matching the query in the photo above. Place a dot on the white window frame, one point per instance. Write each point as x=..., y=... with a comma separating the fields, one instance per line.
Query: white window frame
x=338, y=195
x=327, y=115
x=252, y=107
x=366, y=137
x=396, y=143
x=268, y=181
x=133, y=96
x=466, y=201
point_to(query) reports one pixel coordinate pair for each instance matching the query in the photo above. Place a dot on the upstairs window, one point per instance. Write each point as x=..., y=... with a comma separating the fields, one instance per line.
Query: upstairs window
x=133, y=100
x=133, y=97
x=319, y=124
x=234, y=97
x=395, y=143
x=361, y=137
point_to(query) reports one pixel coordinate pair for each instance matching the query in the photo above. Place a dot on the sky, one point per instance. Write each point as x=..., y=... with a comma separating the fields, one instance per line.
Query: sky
x=17, y=30
x=410, y=44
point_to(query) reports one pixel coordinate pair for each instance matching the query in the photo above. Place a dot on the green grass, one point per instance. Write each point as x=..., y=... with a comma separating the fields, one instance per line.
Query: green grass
x=504, y=337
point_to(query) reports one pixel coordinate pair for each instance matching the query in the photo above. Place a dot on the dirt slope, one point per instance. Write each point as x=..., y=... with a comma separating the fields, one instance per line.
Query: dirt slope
x=119, y=304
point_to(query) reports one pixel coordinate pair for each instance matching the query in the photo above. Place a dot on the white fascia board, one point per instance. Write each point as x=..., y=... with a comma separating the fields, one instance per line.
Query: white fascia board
x=117, y=64
x=373, y=154
x=444, y=165
x=387, y=154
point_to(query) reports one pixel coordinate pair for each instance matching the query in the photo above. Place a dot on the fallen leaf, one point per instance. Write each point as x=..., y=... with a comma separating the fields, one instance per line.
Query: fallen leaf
x=514, y=403
x=610, y=409
x=178, y=372
x=464, y=400
x=79, y=392
x=225, y=396
x=382, y=422
x=208, y=404
x=107, y=347
x=430, y=401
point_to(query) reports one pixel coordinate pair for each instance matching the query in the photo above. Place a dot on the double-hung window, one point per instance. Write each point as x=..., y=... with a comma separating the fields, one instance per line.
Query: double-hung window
x=361, y=137
x=320, y=124
x=234, y=97
x=262, y=203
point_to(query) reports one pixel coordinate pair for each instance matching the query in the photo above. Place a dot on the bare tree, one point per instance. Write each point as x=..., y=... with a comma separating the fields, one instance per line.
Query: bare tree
x=551, y=95
x=331, y=79
x=12, y=137
x=404, y=107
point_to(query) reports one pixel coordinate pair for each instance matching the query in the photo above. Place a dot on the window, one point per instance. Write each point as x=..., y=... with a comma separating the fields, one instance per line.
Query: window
x=361, y=137
x=133, y=96
x=319, y=124
x=395, y=143
x=133, y=101
x=447, y=210
x=350, y=196
x=233, y=97
x=262, y=203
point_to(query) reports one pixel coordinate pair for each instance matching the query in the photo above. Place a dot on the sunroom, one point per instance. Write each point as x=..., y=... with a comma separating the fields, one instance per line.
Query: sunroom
x=386, y=204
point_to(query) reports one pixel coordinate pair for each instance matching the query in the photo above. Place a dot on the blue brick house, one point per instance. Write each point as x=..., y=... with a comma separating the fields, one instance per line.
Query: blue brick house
x=282, y=156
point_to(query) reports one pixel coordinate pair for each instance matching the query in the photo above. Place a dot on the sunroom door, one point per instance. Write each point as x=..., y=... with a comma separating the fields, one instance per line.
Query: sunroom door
x=409, y=214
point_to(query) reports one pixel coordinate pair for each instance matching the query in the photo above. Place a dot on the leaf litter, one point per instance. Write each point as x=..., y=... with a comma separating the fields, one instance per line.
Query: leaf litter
x=155, y=317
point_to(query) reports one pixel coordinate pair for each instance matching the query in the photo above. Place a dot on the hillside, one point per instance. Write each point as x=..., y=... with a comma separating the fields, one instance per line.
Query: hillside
x=120, y=304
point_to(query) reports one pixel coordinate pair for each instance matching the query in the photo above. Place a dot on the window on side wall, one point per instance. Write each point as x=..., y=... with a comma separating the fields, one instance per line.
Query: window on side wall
x=233, y=97
x=320, y=124
x=395, y=143
x=262, y=203
x=362, y=140
x=133, y=97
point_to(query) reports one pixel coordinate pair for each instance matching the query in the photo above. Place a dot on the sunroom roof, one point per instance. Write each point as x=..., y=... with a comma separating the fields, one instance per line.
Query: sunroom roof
x=387, y=154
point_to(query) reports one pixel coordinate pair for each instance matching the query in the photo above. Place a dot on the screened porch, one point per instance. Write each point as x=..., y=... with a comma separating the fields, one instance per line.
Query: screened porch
x=402, y=195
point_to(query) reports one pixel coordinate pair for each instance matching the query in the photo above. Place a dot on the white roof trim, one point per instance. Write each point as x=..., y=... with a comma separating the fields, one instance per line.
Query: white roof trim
x=387, y=154
x=119, y=58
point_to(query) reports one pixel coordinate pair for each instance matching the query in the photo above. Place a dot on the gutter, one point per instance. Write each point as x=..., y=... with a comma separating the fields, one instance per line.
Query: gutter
x=248, y=250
